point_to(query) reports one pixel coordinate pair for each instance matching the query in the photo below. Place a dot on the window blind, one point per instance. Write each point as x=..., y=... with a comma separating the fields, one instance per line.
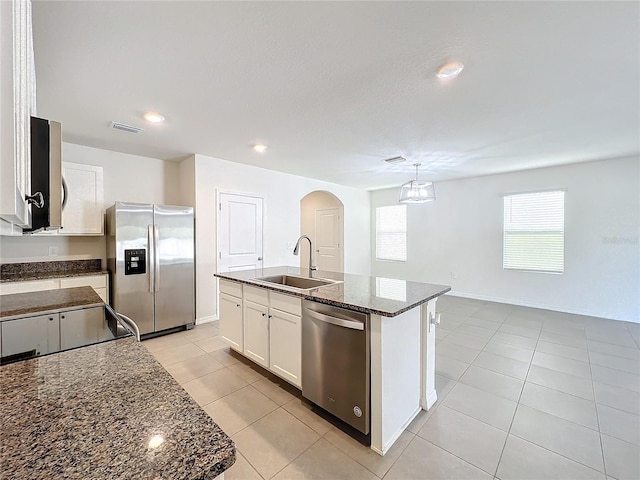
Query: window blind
x=391, y=233
x=534, y=232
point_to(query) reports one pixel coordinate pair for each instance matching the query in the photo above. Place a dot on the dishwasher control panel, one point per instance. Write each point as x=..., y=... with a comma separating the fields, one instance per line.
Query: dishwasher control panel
x=135, y=261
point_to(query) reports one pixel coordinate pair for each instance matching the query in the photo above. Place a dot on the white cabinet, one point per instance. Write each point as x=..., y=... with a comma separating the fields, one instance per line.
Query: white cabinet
x=231, y=327
x=81, y=327
x=83, y=212
x=98, y=282
x=31, y=336
x=256, y=332
x=268, y=331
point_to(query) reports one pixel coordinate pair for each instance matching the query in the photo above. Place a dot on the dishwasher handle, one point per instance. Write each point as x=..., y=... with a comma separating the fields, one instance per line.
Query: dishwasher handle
x=340, y=322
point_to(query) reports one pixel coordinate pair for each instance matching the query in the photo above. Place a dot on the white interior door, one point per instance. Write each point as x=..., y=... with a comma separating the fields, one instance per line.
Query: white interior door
x=239, y=232
x=329, y=239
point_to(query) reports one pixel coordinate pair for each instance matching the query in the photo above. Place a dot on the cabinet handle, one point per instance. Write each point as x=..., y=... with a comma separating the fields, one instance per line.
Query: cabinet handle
x=61, y=316
x=237, y=305
x=51, y=319
x=264, y=314
x=270, y=316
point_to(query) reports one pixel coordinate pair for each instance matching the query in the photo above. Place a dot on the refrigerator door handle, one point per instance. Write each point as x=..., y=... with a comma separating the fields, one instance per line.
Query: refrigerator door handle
x=156, y=256
x=151, y=257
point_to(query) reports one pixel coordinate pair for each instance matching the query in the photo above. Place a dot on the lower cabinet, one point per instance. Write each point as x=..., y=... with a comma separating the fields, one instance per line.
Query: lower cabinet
x=263, y=325
x=30, y=337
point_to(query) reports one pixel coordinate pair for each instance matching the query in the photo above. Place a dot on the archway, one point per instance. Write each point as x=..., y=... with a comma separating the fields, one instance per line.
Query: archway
x=322, y=220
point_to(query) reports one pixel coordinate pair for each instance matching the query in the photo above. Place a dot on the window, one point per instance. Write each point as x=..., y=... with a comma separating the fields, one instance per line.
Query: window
x=391, y=233
x=534, y=232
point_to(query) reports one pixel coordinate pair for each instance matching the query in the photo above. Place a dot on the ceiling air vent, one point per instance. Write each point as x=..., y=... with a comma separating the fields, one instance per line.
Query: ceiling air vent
x=125, y=128
x=395, y=160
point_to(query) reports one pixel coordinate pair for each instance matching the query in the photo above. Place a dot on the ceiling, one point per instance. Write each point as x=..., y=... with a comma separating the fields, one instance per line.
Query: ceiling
x=334, y=88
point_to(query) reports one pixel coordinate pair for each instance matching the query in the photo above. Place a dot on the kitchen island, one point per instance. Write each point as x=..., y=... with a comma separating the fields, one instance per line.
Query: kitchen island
x=104, y=411
x=402, y=334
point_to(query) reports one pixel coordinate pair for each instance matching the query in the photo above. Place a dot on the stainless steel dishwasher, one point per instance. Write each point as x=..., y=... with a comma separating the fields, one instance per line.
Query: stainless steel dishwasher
x=336, y=362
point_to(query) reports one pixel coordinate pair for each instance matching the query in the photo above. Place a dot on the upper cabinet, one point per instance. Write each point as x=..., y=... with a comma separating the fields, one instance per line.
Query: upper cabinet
x=18, y=99
x=83, y=212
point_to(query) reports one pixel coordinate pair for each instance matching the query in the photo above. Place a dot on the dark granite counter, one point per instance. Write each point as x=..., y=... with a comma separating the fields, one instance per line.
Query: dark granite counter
x=382, y=296
x=25, y=277
x=23, y=272
x=107, y=411
x=47, y=301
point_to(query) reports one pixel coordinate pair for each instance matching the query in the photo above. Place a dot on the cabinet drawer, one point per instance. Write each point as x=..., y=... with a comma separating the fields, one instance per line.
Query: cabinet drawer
x=25, y=287
x=95, y=281
x=231, y=288
x=256, y=295
x=286, y=303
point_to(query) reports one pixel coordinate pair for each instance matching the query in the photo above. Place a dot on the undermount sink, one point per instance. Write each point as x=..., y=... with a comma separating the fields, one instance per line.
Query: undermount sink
x=302, y=283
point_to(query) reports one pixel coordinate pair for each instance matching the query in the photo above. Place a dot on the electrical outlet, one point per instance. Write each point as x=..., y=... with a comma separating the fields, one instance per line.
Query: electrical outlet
x=289, y=246
x=53, y=251
x=454, y=275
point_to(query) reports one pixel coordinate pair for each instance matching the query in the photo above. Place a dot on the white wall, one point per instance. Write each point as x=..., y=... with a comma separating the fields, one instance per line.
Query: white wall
x=281, y=222
x=127, y=177
x=461, y=232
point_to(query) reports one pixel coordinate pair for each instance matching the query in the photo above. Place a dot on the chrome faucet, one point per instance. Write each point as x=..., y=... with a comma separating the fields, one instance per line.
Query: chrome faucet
x=312, y=267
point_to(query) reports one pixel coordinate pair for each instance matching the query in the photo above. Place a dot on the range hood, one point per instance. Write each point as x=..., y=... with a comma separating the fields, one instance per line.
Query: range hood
x=46, y=175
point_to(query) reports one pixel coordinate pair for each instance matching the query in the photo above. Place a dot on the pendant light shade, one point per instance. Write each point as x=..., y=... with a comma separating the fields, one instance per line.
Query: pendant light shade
x=417, y=191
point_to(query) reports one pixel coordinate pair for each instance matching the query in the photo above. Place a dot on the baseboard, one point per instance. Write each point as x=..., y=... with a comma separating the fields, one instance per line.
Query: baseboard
x=431, y=399
x=392, y=440
x=207, y=319
x=555, y=308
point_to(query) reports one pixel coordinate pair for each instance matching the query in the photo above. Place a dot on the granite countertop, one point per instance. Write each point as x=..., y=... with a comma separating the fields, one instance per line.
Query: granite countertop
x=105, y=411
x=27, y=276
x=381, y=296
x=47, y=301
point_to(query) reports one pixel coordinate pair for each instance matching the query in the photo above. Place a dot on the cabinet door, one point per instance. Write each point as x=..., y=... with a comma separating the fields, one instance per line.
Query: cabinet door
x=285, y=346
x=256, y=332
x=31, y=336
x=81, y=327
x=231, y=321
x=82, y=214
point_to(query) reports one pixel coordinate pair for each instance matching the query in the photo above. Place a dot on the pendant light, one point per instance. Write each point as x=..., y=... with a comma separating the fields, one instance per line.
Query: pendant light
x=417, y=191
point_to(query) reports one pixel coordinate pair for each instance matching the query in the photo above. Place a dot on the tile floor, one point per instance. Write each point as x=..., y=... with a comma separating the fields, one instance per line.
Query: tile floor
x=522, y=394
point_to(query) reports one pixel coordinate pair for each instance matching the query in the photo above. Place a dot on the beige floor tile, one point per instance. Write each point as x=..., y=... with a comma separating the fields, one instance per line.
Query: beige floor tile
x=568, y=439
x=561, y=364
x=488, y=324
x=304, y=413
x=241, y=470
x=364, y=455
x=276, y=392
x=492, y=382
x=457, y=352
x=527, y=323
x=169, y=356
x=563, y=405
x=421, y=418
x=323, y=461
x=193, y=368
x=200, y=332
x=509, y=351
x=450, y=367
x=486, y=407
x=564, y=329
x=441, y=334
x=504, y=365
x=621, y=458
x=475, y=331
x=617, y=378
x=450, y=320
x=620, y=337
x=528, y=332
x=617, y=363
x=424, y=460
x=444, y=386
x=465, y=340
x=213, y=386
x=575, y=341
x=225, y=357
x=166, y=341
x=239, y=409
x=622, y=425
x=517, y=340
x=563, y=382
x=212, y=344
x=562, y=351
x=522, y=460
x=274, y=441
x=248, y=372
x=617, y=398
x=615, y=350
x=467, y=438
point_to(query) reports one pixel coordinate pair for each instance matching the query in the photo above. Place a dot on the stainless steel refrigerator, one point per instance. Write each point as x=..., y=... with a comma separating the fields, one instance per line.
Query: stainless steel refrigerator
x=150, y=256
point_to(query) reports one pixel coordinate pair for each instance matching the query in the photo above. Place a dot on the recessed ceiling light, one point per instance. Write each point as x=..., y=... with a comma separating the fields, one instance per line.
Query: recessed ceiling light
x=450, y=70
x=153, y=117
x=260, y=148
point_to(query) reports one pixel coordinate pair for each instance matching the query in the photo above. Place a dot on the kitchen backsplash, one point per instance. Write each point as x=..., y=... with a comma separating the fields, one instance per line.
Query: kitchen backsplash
x=16, y=269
